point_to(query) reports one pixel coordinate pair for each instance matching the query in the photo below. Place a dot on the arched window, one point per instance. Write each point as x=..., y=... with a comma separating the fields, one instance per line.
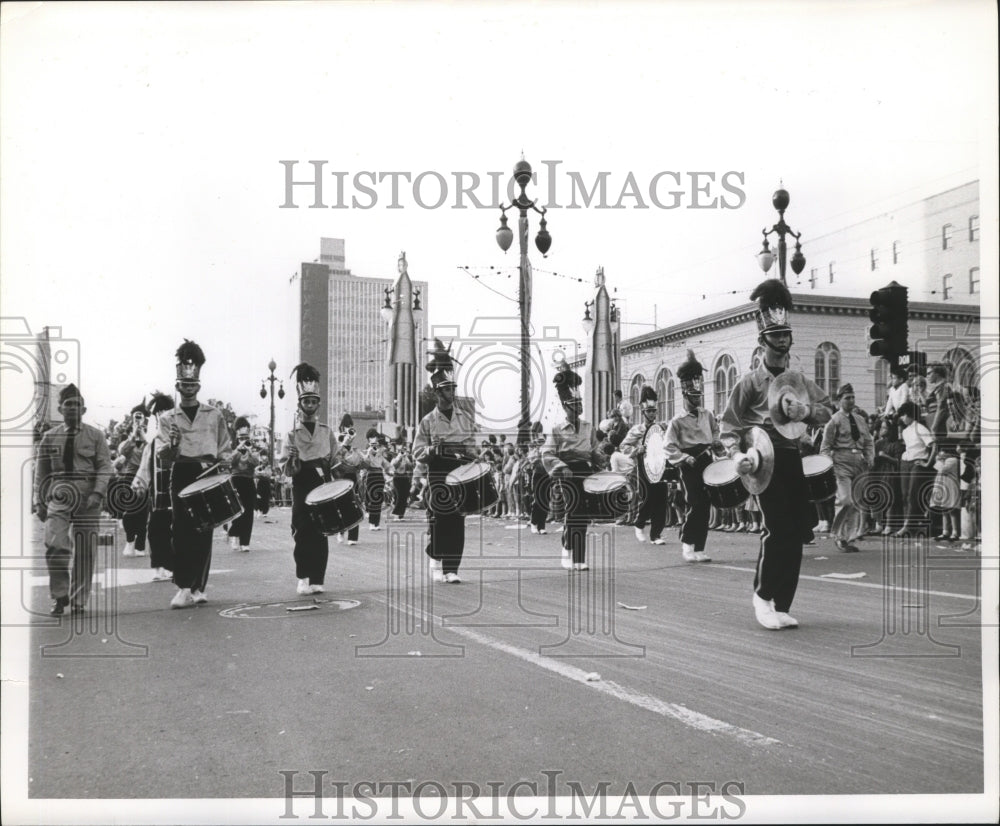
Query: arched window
x=757, y=359
x=962, y=368
x=635, y=388
x=725, y=380
x=828, y=367
x=665, y=391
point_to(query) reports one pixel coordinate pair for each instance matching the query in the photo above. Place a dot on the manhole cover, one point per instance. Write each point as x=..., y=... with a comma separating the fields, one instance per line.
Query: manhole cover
x=282, y=610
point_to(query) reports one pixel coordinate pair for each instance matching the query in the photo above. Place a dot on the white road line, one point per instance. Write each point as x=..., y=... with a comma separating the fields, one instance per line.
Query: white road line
x=858, y=584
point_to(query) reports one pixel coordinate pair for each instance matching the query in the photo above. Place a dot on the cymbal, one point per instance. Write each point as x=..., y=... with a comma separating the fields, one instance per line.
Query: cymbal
x=757, y=480
x=790, y=383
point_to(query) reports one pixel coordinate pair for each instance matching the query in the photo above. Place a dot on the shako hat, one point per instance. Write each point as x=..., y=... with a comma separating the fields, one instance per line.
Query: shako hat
x=306, y=380
x=774, y=303
x=648, y=398
x=190, y=358
x=441, y=366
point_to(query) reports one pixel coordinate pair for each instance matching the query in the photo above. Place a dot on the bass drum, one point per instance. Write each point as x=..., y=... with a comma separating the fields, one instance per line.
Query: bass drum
x=723, y=485
x=210, y=502
x=654, y=459
x=333, y=507
x=473, y=487
x=821, y=483
x=606, y=497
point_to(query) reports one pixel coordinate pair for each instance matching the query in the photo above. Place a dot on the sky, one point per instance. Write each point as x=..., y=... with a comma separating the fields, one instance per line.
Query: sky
x=142, y=184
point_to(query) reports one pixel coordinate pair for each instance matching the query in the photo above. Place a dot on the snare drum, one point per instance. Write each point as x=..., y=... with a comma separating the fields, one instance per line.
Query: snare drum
x=723, y=485
x=333, y=507
x=210, y=502
x=606, y=497
x=821, y=483
x=473, y=487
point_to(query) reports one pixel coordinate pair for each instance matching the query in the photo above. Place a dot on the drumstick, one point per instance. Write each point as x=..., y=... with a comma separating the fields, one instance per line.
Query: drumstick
x=213, y=467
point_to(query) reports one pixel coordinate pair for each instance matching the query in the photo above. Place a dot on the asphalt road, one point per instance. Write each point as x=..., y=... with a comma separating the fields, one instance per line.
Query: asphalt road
x=645, y=669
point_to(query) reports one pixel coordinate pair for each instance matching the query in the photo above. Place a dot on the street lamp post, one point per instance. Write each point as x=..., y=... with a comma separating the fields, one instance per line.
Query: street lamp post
x=263, y=394
x=765, y=257
x=505, y=236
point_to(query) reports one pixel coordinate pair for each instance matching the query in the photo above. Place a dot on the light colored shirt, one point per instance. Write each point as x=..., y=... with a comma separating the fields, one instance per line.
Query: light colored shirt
x=635, y=437
x=320, y=444
x=748, y=407
x=91, y=462
x=572, y=444
x=689, y=430
x=837, y=436
x=898, y=396
x=917, y=440
x=458, y=433
x=207, y=435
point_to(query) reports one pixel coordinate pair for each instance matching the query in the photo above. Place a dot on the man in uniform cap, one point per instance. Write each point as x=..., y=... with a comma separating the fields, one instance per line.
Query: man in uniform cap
x=311, y=448
x=691, y=436
x=72, y=473
x=445, y=439
x=849, y=444
x=195, y=438
x=788, y=514
x=575, y=444
x=652, y=494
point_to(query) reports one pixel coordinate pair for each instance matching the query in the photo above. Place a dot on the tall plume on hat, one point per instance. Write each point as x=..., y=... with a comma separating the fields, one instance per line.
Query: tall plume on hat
x=159, y=402
x=140, y=408
x=647, y=397
x=441, y=365
x=306, y=379
x=190, y=358
x=567, y=383
x=774, y=302
x=690, y=374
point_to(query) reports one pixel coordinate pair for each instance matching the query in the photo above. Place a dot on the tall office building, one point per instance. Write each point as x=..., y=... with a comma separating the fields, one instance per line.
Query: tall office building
x=342, y=332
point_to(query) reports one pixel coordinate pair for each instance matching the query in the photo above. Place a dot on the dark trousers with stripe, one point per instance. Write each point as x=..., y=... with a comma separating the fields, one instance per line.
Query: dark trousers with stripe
x=242, y=525
x=788, y=522
x=447, y=525
x=695, y=529
x=374, y=496
x=312, y=550
x=192, y=549
x=654, y=506
x=134, y=523
x=401, y=486
x=161, y=551
x=540, y=484
x=575, y=521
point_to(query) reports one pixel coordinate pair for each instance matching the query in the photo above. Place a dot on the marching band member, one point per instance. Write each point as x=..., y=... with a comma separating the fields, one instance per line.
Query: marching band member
x=243, y=465
x=690, y=437
x=445, y=439
x=72, y=473
x=347, y=464
x=194, y=438
x=154, y=475
x=310, y=452
x=377, y=465
x=574, y=443
x=538, y=480
x=653, y=495
x=130, y=454
x=788, y=514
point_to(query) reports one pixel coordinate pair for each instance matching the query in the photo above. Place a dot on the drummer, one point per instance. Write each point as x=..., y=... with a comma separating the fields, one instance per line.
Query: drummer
x=573, y=443
x=787, y=513
x=194, y=438
x=652, y=492
x=847, y=442
x=309, y=454
x=445, y=439
x=691, y=437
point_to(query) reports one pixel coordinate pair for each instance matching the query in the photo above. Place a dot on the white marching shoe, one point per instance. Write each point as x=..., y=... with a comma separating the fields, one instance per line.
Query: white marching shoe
x=640, y=534
x=316, y=589
x=234, y=543
x=129, y=549
x=198, y=597
x=689, y=553
x=303, y=587
x=701, y=556
x=182, y=599
x=786, y=620
x=765, y=613
x=437, y=575
x=567, y=561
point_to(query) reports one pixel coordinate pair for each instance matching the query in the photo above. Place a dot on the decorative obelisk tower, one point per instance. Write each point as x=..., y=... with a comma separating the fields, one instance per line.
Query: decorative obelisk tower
x=402, y=390
x=601, y=377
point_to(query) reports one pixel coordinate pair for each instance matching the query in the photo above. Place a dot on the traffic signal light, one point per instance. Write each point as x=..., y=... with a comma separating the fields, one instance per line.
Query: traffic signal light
x=889, y=331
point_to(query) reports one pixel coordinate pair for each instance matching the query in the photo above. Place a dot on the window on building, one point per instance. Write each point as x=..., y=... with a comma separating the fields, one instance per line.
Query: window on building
x=946, y=287
x=725, y=380
x=946, y=236
x=874, y=259
x=831, y=272
x=974, y=280
x=812, y=278
x=828, y=367
x=635, y=389
x=665, y=394
x=895, y=252
x=757, y=357
x=881, y=382
x=974, y=228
